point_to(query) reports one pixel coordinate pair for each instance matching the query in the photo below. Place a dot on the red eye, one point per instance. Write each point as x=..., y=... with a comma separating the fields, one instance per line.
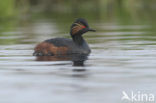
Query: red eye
x=83, y=26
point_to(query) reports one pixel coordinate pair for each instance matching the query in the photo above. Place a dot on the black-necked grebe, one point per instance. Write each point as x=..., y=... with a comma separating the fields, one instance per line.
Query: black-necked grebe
x=63, y=46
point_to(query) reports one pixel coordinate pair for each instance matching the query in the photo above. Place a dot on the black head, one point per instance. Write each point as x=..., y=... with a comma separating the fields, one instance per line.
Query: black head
x=79, y=27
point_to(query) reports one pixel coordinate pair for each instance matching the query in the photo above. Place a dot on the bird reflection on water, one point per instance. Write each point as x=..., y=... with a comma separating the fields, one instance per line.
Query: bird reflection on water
x=77, y=59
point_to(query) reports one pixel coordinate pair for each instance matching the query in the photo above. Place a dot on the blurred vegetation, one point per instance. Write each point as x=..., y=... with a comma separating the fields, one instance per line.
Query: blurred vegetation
x=105, y=10
x=7, y=8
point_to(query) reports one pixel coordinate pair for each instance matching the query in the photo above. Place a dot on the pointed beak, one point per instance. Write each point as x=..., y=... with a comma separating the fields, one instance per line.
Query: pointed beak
x=91, y=30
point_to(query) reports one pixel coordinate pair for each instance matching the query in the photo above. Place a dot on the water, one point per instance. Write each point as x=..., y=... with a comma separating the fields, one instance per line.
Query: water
x=122, y=59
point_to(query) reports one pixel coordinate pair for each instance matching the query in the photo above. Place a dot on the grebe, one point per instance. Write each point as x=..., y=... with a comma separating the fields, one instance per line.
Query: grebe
x=65, y=46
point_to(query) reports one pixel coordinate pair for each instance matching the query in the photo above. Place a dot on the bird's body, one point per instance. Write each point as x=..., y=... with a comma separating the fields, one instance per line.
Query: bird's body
x=65, y=46
x=60, y=46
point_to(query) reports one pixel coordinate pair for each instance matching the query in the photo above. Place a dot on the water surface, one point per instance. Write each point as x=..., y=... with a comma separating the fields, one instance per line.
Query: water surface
x=122, y=59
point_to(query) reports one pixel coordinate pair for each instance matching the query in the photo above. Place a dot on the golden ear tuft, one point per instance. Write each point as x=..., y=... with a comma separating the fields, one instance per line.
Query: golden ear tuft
x=77, y=27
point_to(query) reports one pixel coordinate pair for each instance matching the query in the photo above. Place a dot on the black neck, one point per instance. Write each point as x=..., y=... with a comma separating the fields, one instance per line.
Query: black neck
x=78, y=39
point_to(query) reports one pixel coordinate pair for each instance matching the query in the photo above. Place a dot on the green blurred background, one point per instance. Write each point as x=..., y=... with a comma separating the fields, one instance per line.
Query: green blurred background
x=123, y=11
